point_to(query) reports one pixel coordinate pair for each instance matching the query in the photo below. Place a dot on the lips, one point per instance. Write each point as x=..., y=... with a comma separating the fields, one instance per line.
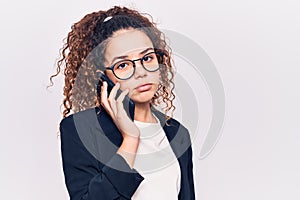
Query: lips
x=144, y=87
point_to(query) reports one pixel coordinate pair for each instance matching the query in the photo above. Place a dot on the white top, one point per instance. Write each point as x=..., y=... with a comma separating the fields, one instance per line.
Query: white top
x=157, y=163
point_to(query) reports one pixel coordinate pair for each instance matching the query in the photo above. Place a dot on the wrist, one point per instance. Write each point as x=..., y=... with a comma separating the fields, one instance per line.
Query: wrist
x=133, y=135
x=129, y=144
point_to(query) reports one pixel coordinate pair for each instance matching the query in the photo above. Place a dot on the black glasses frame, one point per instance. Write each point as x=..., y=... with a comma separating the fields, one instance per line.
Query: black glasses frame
x=134, y=66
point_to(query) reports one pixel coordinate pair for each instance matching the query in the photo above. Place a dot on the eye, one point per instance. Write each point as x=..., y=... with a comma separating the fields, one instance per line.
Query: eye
x=148, y=58
x=120, y=66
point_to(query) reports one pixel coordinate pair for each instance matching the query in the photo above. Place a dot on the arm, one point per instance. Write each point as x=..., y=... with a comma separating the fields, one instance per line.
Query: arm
x=190, y=176
x=128, y=149
x=88, y=179
x=190, y=173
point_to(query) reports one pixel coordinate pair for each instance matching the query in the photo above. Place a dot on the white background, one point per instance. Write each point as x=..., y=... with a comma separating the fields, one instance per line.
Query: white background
x=255, y=47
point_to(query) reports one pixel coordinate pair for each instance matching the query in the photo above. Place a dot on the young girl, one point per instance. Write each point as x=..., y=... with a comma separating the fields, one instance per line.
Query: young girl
x=116, y=157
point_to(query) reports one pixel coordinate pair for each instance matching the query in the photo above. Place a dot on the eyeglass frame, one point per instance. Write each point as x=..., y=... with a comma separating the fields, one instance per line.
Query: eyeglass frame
x=134, y=65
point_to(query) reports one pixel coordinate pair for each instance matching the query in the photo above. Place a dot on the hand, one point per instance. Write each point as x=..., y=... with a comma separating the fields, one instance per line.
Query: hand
x=128, y=129
x=116, y=110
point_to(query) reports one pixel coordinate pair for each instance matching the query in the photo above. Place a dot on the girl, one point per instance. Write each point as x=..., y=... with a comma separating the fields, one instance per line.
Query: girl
x=116, y=157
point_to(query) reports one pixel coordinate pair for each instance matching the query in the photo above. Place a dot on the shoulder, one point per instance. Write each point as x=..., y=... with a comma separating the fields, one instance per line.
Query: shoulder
x=87, y=122
x=72, y=122
x=66, y=123
x=69, y=120
x=181, y=130
x=173, y=127
x=171, y=122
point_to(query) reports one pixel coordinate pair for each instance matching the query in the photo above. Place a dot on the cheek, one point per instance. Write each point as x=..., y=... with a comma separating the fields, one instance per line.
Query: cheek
x=125, y=84
x=156, y=77
x=111, y=76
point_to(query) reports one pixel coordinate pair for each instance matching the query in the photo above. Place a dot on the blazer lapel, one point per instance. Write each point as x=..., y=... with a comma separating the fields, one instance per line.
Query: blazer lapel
x=175, y=133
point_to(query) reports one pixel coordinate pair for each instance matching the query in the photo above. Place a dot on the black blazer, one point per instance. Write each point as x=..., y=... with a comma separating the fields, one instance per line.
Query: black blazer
x=94, y=171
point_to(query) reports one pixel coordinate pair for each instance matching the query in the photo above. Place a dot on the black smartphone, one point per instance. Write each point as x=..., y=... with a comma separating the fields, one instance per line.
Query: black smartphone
x=127, y=102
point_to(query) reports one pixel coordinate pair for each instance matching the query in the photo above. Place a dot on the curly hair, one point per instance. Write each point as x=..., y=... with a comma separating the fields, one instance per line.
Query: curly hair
x=83, y=54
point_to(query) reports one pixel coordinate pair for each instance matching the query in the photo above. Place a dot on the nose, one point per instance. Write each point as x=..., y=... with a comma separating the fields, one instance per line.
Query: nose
x=140, y=71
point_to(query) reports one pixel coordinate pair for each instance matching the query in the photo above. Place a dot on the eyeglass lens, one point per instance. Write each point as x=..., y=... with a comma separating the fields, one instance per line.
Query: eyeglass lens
x=124, y=69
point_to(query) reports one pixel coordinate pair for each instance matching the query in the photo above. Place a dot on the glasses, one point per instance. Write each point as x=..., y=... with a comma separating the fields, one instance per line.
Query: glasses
x=125, y=69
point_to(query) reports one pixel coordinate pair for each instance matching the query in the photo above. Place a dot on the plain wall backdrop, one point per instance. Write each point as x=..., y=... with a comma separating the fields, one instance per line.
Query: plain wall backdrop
x=255, y=47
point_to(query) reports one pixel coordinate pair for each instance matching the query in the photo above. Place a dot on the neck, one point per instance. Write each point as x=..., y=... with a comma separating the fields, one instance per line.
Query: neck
x=142, y=112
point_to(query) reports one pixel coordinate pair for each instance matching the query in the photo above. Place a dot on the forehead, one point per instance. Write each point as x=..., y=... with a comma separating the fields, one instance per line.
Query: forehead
x=124, y=42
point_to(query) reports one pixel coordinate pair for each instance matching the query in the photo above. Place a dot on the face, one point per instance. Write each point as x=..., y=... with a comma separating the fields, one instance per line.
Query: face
x=132, y=44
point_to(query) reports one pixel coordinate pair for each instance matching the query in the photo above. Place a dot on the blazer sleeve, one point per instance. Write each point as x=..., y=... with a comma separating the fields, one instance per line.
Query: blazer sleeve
x=190, y=173
x=86, y=178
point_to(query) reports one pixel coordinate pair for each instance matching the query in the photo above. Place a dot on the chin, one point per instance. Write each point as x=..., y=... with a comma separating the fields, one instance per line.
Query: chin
x=143, y=97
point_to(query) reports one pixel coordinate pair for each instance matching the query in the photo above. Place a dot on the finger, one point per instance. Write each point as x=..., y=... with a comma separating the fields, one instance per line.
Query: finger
x=113, y=92
x=112, y=97
x=104, y=100
x=119, y=101
x=103, y=94
x=122, y=95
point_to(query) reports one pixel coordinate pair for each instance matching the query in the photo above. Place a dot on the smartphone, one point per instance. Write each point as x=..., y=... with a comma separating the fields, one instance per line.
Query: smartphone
x=127, y=102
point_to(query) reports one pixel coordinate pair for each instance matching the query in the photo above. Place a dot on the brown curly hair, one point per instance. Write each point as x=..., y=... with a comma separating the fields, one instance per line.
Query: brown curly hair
x=83, y=54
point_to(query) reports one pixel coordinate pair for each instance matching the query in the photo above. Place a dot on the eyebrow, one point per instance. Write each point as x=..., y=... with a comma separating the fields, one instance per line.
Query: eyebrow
x=123, y=57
